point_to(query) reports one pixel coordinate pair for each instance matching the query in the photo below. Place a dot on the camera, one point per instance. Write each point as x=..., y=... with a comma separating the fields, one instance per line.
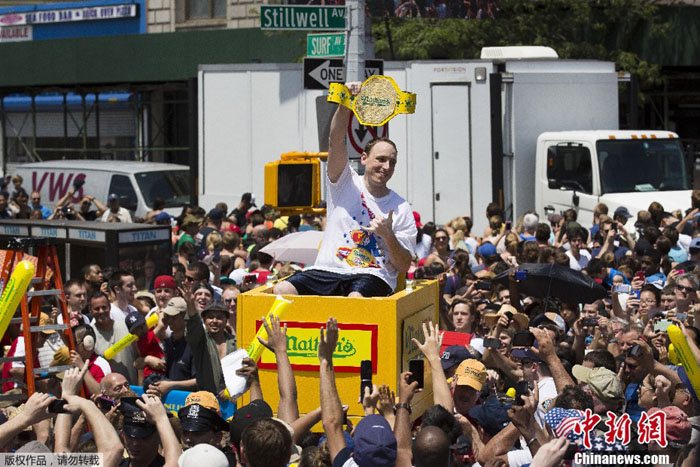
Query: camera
x=589, y=322
x=634, y=351
x=523, y=339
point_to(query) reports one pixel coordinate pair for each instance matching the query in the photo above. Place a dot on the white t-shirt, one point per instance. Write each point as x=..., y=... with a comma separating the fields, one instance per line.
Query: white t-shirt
x=117, y=314
x=424, y=246
x=582, y=262
x=548, y=393
x=346, y=247
x=123, y=215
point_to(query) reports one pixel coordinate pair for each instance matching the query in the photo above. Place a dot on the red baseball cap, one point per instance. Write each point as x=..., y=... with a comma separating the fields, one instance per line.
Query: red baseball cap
x=164, y=282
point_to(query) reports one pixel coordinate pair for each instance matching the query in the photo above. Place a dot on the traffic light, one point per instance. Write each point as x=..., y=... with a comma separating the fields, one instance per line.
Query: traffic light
x=293, y=183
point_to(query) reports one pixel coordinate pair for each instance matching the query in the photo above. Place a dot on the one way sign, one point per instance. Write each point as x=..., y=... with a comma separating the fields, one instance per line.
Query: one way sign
x=319, y=73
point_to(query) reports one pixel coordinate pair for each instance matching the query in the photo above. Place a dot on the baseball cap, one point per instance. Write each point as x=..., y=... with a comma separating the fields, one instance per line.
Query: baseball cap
x=471, y=373
x=375, y=443
x=622, y=211
x=683, y=375
x=215, y=305
x=44, y=320
x=216, y=214
x=492, y=415
x=175, y=306
x=678, y=428
x=134, y=319
x=245, y=416
x=454, y=355
x=201, y=415
x=202, y=454
x=549, y=318
x=487, y=249
x=249, y=197
x=164, y=282
x=113, y=197
x=163, y=217
x=135, y=423
x=603, y=382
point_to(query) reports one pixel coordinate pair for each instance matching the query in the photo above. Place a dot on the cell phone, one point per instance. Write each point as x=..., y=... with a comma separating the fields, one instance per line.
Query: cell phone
x=662, y=325
x=614, y=227
x=105, y=404
x=640, y=275
x=521, y=389
x=509, y=315
x=250, y=279
x=622, y=288
x=78, y=182
x=509, y=224
x=56, y=406
x=365, y=377
x=483, y=285
x=417, y=369
x=589, y=322
x=520, y=275
x=523, y=339
x=492, y=343
x=680, y=271
x=129, y=399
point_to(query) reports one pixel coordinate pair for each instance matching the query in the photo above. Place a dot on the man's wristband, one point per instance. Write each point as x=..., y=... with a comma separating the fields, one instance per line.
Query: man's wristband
x=532, y=440
x=403, y=405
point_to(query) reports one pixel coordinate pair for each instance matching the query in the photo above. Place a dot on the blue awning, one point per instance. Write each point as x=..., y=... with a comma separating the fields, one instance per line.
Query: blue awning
x=54, y=101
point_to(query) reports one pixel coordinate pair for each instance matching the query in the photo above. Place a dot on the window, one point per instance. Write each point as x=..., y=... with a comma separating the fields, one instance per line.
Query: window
x=121, y=185
x=173, y=186
x=642, y=165
x=569, y=166
x=193, y=10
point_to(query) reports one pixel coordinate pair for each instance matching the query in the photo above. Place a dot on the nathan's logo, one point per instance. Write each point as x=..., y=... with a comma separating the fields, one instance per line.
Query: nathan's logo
x=409, y=347
x=297, y=347
x=356, y=342
x=374, y=101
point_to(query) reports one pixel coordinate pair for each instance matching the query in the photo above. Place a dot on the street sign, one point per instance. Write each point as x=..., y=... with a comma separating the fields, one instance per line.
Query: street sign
x=319, y=73
x=302, y=17
x=325, y=45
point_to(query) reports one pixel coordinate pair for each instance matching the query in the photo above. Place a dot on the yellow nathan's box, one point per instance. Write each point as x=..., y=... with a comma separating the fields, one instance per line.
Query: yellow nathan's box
x=376, y=329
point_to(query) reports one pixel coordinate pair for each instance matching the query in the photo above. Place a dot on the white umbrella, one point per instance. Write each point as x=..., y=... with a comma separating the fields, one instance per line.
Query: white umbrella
x=300, y=247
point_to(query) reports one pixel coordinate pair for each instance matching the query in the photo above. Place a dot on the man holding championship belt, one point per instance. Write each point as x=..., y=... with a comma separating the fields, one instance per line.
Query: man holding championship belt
x=370, y=234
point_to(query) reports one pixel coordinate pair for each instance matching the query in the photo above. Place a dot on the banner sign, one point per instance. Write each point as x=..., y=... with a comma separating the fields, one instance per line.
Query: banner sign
x=175, y=400
x=357, y=342
x=69, y=15
x=16, y=33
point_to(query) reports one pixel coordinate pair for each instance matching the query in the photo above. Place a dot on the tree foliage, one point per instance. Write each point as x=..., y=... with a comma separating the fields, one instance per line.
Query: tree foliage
x=593, y=29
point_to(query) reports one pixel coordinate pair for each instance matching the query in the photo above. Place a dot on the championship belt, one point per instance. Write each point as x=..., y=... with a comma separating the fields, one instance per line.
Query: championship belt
x=379, y=100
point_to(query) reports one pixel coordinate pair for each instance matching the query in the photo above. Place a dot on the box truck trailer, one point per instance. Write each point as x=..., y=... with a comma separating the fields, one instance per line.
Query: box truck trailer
x=528, y=132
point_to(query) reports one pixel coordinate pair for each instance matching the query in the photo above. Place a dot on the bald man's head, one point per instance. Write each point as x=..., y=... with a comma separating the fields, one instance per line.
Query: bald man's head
x=431, y=448
x=114, y=385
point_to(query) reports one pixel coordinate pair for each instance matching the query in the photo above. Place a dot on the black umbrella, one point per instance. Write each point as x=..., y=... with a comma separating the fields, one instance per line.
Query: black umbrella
x=552, y=280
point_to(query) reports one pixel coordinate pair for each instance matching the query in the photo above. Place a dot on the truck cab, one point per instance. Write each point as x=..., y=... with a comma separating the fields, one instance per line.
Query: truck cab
x=579, y=169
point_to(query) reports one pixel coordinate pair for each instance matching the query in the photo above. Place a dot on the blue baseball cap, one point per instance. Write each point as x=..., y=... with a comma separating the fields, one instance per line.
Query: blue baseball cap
x=453, y=356
x=375, y=443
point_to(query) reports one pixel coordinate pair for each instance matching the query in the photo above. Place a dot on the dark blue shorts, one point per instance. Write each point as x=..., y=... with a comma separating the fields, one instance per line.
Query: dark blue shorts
x=325, y=283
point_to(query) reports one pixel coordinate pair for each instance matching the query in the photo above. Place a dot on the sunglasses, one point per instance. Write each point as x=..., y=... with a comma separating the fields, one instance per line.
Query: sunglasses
x=439, y=239
x=685, y=288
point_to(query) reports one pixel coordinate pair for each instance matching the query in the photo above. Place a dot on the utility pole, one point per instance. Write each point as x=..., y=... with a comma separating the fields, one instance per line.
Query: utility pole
x=355, y=54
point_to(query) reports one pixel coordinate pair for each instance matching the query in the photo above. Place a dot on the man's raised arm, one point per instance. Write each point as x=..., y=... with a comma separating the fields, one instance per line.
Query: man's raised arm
x=337, y=151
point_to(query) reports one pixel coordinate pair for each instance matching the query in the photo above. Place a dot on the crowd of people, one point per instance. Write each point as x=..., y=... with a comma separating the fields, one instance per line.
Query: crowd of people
x=535, y=379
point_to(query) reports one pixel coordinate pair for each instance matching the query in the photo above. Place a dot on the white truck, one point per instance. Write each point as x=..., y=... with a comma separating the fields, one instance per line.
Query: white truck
x=473, y=138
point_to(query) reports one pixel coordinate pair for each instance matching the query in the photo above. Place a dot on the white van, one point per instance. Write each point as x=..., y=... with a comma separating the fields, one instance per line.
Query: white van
x=137, y=184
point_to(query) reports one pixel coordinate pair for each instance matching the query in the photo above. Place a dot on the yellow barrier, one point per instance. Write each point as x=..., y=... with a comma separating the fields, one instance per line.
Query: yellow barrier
x=376, y=329
x=14, y=291
x=129, y=338
x=685, y=355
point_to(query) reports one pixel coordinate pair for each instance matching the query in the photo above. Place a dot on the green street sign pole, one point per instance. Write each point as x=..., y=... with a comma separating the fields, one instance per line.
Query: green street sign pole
x=302, y=17
x=325, y=45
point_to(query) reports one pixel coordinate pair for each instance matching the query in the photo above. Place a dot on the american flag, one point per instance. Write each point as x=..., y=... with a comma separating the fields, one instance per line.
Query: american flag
x=563, y=421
